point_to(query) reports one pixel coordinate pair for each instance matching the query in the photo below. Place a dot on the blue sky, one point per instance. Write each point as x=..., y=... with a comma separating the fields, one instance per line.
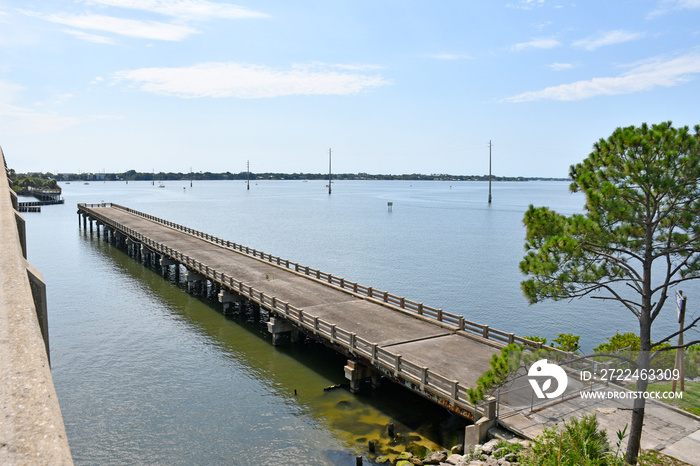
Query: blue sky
x=391, y=86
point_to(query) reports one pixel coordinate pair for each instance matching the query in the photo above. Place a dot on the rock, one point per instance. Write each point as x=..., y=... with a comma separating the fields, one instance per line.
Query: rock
x=435, y=458
x=453, y=459
x=403, y=463
x=489, y=446
x=381, y=459
x=475, y=463
x=457, y=449
x=418, y=450
x=405, y=456
x=477, y=451
x=501, y=434
x=416, y=461
x=511, y=457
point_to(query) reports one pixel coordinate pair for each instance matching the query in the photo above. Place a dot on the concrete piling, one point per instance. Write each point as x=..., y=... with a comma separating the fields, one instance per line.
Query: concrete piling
x=278, y=327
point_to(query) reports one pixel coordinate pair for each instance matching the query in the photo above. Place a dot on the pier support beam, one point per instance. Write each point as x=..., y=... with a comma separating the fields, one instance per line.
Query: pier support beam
x=228, y=299
x=356, y=373
x=146, y=254
x=476, y=434
x=165, y=263
x=278, y=327
x=118, y=238
x=193, y=279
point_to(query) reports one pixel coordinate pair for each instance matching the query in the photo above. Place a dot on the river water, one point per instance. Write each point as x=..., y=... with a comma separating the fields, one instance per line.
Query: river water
x=147, y=374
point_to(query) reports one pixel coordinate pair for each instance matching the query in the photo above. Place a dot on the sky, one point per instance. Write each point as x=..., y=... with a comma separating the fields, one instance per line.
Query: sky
x=387, y=86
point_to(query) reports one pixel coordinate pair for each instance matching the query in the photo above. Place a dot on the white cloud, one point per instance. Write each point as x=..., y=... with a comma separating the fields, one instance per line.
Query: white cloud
x=21, y=121
x=126, y=27
x=666, y=6
x=526, y=4
x=183, y=11
x=9, y=91
x=89, y=37
x=250, y=81
x=537, y=44
x=607, y=38
x=656, y=72
x=186, y=9
x=561, y=66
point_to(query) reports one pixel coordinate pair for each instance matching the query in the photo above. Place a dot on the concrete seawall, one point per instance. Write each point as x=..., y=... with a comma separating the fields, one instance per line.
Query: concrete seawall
x=31, y=425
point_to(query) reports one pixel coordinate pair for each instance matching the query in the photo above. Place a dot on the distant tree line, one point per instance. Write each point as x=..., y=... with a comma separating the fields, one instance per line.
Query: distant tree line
x=133, y=175
x=21, y=183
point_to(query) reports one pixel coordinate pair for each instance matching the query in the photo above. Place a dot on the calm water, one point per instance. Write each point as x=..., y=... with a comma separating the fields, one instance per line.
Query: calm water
x=145, y=373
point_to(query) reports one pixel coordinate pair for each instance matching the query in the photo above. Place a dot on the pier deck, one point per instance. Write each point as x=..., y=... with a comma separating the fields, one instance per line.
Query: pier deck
x=422, y=351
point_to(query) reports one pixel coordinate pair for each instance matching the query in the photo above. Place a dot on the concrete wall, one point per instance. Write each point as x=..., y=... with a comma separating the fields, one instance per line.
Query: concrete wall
x=31, y=425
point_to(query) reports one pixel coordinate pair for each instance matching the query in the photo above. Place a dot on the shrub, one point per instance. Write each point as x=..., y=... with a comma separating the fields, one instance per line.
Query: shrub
x=578, y=442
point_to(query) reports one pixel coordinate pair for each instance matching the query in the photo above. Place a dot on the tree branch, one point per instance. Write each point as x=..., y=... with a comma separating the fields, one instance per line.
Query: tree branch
x=688, y=327
x=669, y=348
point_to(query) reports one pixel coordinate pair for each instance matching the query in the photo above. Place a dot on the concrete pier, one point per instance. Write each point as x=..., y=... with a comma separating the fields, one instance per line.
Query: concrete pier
x=433, y=353
x=381, y=334
x=31, y=425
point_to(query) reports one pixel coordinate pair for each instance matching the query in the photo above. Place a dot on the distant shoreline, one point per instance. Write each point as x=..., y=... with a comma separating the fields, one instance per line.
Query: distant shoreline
x=141, y=176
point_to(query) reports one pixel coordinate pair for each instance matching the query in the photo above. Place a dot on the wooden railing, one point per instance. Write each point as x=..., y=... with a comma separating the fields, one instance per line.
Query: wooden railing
x=392, y=363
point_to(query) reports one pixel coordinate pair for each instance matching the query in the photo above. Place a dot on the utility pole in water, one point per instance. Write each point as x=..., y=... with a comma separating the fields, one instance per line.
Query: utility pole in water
x=489, y=171
x=248, y=179
x=329, y=171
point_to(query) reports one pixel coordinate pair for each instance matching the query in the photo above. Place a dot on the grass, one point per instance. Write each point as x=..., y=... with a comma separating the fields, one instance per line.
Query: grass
x=691, y=396
x=654, y=458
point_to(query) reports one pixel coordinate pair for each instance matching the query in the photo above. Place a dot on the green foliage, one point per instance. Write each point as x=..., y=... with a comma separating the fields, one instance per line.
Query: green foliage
x=578, y=442
x=627, y=345
x=21, y=183
x=567, y=342
x=618, y=342
x=535, y=338
x=642, y=190
x=504, y=448
x=501, y=366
